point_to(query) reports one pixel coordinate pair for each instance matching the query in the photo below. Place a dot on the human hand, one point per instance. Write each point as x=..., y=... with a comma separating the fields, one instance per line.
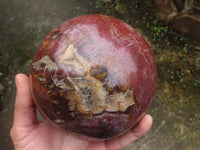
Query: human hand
x=28, y=133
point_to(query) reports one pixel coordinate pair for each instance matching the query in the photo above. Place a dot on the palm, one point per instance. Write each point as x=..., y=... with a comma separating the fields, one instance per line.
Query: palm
x=50, y=138
x=28, y=133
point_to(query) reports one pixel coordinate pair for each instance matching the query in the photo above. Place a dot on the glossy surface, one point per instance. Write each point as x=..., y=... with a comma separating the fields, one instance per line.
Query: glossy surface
x=94, y=75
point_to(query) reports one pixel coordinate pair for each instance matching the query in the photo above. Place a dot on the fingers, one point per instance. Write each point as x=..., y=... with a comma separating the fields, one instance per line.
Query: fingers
x=25, y=112
x=126, y=139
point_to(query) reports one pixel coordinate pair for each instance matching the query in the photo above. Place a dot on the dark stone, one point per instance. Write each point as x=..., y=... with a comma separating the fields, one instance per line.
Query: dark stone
x=188, y=23
x=196, y=5
x=179, y=4
x=165, y=6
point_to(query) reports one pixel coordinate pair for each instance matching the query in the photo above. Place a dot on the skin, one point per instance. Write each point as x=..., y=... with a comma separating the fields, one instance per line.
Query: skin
x=28, y=133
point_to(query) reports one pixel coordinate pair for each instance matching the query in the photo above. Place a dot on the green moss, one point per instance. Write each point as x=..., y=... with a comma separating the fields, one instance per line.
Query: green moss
x=99, y=4
x=197, y=117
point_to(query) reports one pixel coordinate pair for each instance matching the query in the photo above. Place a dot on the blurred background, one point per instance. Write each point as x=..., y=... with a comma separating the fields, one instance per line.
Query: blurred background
x=172, y=29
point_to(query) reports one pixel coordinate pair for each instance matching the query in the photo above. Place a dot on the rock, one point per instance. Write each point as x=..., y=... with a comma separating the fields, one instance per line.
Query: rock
x=170, y=6
x=196, y=5
x=184, y=15
x=188, y=4
x=1, y=89
x=188, y=23
x=166, y=10
x=165, y=6
x=179, y=4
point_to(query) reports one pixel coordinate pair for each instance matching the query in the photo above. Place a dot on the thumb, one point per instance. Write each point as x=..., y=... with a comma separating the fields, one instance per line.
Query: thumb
x=25, y=111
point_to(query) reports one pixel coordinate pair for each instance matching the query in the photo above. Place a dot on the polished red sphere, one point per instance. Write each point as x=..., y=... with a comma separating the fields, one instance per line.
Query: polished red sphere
x=94, y=75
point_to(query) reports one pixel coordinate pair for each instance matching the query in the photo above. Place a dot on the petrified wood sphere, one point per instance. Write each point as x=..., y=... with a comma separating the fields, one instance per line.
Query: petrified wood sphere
x=94, y=75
